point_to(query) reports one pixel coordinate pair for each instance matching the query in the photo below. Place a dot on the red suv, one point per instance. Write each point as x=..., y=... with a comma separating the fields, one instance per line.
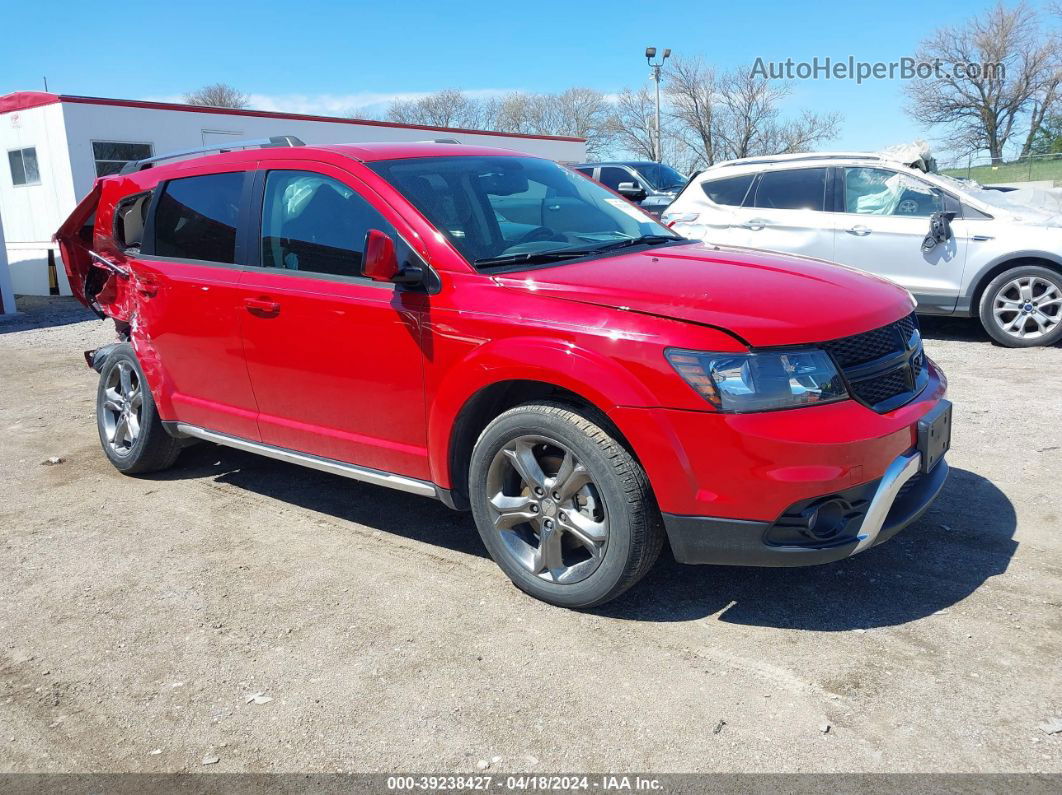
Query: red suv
x=504, y=334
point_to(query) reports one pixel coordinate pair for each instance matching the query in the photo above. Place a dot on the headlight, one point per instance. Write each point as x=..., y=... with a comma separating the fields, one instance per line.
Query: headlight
x=760, y=381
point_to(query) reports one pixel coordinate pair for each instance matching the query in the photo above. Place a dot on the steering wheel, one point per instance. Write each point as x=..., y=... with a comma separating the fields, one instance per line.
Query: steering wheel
x=539, y=233
x=907, y=207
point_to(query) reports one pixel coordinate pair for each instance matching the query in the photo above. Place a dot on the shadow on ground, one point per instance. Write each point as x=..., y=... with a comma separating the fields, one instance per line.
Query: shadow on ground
x=43, y=311
x=965, y=538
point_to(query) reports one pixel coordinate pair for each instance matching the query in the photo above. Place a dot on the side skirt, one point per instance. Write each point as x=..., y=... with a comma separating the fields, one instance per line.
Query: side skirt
x=363, y=474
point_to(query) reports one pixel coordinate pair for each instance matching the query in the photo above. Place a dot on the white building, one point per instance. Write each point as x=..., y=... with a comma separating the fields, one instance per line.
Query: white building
x=57, y=145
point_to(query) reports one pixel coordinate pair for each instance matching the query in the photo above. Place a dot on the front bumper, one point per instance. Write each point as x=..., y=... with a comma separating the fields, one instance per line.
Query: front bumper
x=820, y=530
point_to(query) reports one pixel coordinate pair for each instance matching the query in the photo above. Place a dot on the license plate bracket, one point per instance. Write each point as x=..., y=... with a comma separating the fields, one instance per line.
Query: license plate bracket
x=934, y=435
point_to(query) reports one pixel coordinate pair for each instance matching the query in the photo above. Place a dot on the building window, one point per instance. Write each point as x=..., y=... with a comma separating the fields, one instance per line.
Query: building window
x=112, y=155
x=24, y=169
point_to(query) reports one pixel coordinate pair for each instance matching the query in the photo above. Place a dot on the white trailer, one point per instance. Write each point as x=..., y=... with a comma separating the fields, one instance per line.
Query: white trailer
x=57, y=145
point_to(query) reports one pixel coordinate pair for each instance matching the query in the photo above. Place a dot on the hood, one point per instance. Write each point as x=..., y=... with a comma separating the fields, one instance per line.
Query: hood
x=763, y=298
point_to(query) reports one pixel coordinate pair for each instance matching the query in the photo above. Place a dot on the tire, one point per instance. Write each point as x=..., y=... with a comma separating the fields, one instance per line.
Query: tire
x=594, y=530
x=1022, y=307
x=131, y=433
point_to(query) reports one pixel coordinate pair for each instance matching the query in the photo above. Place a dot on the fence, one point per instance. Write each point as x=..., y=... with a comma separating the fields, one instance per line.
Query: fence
x=1035, y=168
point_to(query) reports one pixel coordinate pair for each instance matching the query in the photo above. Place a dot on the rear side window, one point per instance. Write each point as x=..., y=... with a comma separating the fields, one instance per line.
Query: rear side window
x=129, y=220
x=315, y=224
x=793, y=189
x=730, y=191
x=197, y=218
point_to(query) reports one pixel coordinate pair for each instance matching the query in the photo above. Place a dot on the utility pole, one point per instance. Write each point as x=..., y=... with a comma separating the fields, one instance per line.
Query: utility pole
x=654, y=75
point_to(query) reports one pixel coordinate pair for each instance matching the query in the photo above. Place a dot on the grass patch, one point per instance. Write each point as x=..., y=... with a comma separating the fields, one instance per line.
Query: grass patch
x=1011, y=172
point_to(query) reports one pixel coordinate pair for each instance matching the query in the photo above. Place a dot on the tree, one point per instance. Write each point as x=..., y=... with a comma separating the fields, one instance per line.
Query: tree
x=218, y=95
x=634, y=123
x=1048, y=140
x=447, y=108
x=736, y=114
x=581, y=112
x=691, y=90
x=983, y=108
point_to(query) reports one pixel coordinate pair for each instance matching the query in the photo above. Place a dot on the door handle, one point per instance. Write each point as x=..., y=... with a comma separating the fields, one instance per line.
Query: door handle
x=859, y=230
x=261, y=306
x=756, y=224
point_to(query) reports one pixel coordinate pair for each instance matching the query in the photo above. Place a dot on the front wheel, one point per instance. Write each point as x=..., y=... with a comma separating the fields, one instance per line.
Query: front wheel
x=562, y=506
x=1022, y=307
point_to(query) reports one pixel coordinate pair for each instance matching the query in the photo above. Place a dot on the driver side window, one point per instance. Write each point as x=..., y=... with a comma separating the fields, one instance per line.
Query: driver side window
x=880, y=191
x=315, y=224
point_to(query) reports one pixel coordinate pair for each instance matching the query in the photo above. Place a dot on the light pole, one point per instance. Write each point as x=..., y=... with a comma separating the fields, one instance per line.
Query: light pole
x=654, y=75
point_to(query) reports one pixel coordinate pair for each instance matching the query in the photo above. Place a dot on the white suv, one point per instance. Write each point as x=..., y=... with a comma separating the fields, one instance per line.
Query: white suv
x=958, y=248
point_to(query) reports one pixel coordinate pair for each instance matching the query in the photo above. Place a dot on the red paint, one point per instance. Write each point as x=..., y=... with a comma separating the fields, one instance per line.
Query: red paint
x=377, y=376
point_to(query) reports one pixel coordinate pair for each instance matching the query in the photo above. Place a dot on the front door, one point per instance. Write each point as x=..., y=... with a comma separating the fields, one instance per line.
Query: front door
x=334, y=358
x=886, y=217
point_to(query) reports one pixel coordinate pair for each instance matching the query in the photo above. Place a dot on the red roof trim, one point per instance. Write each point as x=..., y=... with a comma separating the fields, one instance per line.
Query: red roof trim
x=24, y=100
x=31, y=99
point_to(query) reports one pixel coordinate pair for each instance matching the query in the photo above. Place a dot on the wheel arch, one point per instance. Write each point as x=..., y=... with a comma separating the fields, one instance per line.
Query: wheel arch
x=494, y=381
x=983, y=279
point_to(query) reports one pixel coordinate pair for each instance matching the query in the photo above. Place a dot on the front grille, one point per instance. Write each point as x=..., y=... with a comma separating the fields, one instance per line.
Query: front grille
x=884, y=368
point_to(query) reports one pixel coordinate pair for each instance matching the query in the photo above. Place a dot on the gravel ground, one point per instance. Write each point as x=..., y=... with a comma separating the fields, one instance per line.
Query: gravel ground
x=139, y=616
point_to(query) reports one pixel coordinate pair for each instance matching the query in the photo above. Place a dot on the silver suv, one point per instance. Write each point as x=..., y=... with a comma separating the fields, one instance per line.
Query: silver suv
x=960, y=249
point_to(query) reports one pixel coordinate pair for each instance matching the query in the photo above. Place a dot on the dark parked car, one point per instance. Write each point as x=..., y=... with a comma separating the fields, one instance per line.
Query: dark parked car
x=651, y=185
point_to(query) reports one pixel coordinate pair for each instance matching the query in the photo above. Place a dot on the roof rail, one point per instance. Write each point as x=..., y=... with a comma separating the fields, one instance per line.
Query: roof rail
x=440, y=141
x=758, y=161
x=262, y=143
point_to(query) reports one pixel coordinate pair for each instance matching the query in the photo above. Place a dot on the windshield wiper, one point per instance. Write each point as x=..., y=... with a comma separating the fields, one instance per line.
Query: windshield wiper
x=637, y=241
x=532, y=257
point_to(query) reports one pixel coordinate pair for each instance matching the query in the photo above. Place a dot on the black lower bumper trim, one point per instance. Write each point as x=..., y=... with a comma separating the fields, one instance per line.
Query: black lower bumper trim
x=739, y=542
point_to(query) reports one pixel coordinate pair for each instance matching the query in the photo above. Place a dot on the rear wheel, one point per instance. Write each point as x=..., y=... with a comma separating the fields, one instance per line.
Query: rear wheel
x=562, y=506
x=1022, y=307
x=131, y=432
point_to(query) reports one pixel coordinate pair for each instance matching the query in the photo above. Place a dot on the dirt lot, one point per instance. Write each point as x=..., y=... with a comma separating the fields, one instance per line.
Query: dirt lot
x=138, y=616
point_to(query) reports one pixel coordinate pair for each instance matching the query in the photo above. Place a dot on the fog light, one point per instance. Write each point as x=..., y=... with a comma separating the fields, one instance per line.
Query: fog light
x=827, y=519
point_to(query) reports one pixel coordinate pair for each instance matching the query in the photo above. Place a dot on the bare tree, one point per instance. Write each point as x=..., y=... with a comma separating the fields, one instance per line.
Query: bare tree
x=580, y=112
x=585, y=113
x=984, y=107
x=634, y=122
x=692, y=92
x=738, y=114
x=218, y=95
x=447, y=108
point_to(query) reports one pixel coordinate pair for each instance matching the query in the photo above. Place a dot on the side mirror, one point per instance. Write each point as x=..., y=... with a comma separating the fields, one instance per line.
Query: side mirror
x=632, y=190
x=380, y=263
x=939, y=230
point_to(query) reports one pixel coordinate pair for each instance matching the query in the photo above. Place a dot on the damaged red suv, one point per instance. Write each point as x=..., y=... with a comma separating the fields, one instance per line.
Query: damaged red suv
x=503, y=334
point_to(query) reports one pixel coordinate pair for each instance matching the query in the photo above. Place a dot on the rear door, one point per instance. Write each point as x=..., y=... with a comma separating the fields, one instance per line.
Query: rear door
x=787, y=210
x=335, y=359
x=886, y=216
x=189, y=301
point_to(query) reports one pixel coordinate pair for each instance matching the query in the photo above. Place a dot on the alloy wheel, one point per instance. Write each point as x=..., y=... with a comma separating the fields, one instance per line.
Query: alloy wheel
x=1028, y=307
x=547, y=510
x=123, y=406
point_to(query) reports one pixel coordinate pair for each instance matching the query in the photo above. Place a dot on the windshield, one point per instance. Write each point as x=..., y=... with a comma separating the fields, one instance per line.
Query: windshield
x=506, y=210
x=660, y=176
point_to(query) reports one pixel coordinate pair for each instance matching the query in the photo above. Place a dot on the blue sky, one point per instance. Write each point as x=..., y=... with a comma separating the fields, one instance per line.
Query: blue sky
x=331, y=58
